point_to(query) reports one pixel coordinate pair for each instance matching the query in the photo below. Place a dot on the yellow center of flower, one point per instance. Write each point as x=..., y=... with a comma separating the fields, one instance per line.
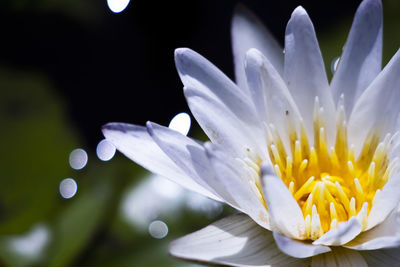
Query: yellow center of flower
x=330, y=184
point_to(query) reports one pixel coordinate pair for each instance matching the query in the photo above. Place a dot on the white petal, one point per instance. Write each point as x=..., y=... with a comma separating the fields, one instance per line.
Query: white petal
x=135, y=143
x=223, y=111
x=190, y=156
x=382, y=257
x=237, y=183
x=361, y=60
x=339, y=257
x=296, y=248
x=255, y=83
x=304, y=71
x=286, y=215
x=234, y=241
x=248, y=32
x=269, y=92
x=385, y=203
x=384, y=235
x=379, y=101
x=344, y=232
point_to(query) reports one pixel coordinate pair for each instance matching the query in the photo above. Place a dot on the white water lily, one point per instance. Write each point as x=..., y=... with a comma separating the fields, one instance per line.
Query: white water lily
x=312, y=166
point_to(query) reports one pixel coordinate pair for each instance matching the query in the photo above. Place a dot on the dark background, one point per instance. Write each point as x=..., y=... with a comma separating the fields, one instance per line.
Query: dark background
x=119, y=67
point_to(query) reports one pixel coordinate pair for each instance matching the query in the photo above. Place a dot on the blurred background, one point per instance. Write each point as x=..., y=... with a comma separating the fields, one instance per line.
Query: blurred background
x=68, y=67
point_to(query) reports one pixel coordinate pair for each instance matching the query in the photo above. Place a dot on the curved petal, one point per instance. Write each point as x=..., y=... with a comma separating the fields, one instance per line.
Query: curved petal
x=255, y=83
x=270, y=93
x=382, y=257
x=361, y=60
x=380, y=100
x=248, y=32
x=225, y=113
x=135, y=143
x=339, y=257
x=344, y=232
x=385, y=203
x=234, y=241
x=286, y=215
x=296, y=248
x=191, y=157
x=240, y=182
x=304, y=71
x=384, y=235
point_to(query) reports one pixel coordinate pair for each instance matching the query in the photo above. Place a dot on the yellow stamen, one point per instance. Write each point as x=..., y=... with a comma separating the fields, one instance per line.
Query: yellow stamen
x=328, y=181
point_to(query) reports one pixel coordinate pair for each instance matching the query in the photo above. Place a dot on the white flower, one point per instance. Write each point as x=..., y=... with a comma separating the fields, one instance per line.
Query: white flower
x=312, y=166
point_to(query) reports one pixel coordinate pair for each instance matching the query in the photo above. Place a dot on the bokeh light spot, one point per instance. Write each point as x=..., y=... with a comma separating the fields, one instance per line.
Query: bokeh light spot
x=105, y=150
x=181, y=123
x=68, y=188
x=32, y=243
x=158, y=229
x=117, y=6
x=78, y=159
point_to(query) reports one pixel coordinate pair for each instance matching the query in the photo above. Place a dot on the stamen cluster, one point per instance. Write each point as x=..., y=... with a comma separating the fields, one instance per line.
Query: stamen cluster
x=330, y=184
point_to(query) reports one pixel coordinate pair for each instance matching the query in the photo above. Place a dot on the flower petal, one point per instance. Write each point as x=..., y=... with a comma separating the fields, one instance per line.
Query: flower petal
x=297, y=248
x=269, y=92
x=384, y=235
x=225, y=113
x=344, y=232
x=248, y=32
x=382, y=257
x=385, y=203
x=190, y=156
x=286, y=215
x=339, y=257
x=135, y=143
x=380, y=100
x=304, y=71
x=234, y=241
x=240, y=182
x=361, y=60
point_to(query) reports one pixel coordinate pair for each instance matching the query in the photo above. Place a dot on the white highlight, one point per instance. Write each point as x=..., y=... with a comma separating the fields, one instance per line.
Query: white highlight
x=210, y=208
x=158, y=229
x=155, y=196
x=68, y=188
x=117, y=6
x=181, y=123
x=334, y=64
x=32, y=243
x=105, y=150
x=78, y=159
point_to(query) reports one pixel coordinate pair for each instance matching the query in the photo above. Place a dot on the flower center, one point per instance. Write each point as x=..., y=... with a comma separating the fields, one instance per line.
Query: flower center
x=330, y=184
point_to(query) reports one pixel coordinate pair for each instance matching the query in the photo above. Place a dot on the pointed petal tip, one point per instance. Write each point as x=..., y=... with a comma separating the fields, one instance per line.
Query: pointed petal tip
x=299, y=11
x=254, y=53
x=373, y=7
x=254, y=58
x=181, y=51
x=371, y=3
x=172, y=251
x=208, y=146
x=149, y=127
x=113, y=126
x=106, y=127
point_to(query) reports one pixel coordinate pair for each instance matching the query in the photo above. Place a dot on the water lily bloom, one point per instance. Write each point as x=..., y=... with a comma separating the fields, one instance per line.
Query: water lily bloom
x=312, y=166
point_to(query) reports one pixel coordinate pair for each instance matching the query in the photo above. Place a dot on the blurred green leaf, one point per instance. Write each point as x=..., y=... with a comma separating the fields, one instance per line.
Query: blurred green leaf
x=36, y=140
x=76, y=224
